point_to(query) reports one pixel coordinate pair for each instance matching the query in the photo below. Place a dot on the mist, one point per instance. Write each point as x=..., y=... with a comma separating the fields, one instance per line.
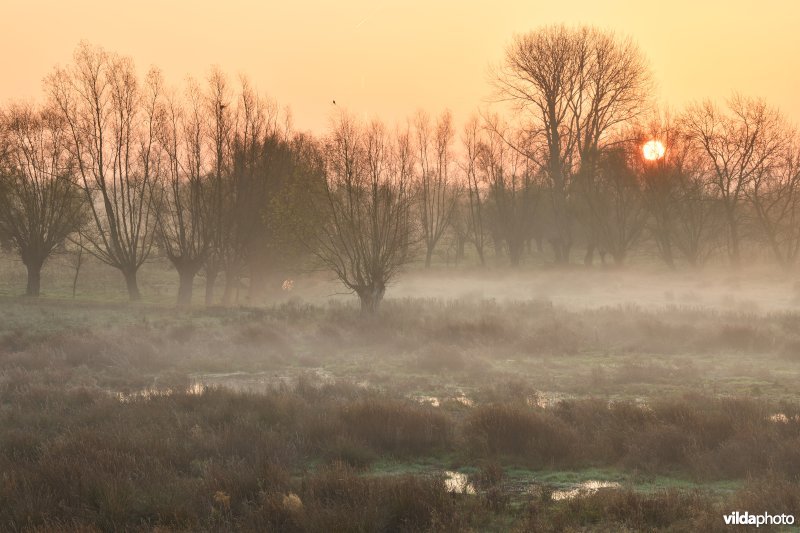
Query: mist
x=574, y=310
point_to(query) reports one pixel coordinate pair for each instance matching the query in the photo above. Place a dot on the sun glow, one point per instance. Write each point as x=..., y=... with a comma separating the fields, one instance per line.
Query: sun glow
x=653, y=150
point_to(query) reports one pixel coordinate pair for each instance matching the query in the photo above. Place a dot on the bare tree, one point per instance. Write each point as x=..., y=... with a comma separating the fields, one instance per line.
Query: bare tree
x=459, y=230
x=368, y=234
x=698, y=214
x=220, y=133
x=573, y=87
x=660, y=183
x=683, y=209
x=737, y=143
x=260, y=154
x=111, y=122
x=775, y=196
x=76, y=259
x=245, y=132
x=614, y=200
x=475, y=186
x=438, y=190
x=40, y=203
x=183, y=220
x=684, y=215
x=512, y=188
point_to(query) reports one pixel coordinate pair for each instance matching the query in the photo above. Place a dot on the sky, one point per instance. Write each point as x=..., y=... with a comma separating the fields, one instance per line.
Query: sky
x=389, y=59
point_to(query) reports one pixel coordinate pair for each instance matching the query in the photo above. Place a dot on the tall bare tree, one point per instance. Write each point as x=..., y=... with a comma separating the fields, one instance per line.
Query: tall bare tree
x=218, y=100
x=614, y=200
x=472, y=147
x=184, y=217
x=369, y=233
x=683, y=209
x=111, y=122
x=660, y=183
x=698, y=220
x=775, y=196
x=259, y=150
x=573, y=87
x=438, y=190
x=511, y=179
x=244, y=133
x=40, y=202
x=738, y=143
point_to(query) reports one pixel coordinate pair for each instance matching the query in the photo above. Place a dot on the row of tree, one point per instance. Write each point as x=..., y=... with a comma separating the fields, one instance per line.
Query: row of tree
x=215, y=179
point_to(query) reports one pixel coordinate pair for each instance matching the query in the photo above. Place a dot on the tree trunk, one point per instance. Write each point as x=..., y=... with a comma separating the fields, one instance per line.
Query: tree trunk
x=78, y=263
x=186, y=280
x=230, y=293
x=667, y=256
x=515, y=253
x=211, y=281
x=784, y=263
x=34, y=278
x=132, y=285
x=540, y=244
x=481, y=256
x=588, y=259
x=370, y=298
x=428, y=256
x=560, y=215
x=734, y=236
x=497, y=244
x=558, y=251
x=460, y=245
x=566, y=249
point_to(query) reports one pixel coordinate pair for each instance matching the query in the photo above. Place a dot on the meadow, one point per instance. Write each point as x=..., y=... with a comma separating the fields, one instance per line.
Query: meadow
x=525, y=400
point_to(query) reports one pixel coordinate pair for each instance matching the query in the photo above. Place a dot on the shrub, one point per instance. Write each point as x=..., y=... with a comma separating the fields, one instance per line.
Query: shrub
x=536, y=436
x=392, y=426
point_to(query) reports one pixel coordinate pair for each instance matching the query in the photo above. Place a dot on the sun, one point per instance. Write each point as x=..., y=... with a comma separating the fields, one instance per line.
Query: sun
x=653, y=150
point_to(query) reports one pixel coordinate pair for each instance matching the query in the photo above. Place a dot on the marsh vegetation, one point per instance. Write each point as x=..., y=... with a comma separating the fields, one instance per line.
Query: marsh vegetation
x=448, y=413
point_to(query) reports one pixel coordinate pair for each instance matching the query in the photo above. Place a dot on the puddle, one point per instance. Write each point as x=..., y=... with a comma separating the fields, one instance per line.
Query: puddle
x=260, y=382
x=583, y=489
x=458, y=483
x=546, y=400
x=549, y=400
x=430, y=400
x=464, y=400
x=781, y=418
x=146, y=394
x=436, y=401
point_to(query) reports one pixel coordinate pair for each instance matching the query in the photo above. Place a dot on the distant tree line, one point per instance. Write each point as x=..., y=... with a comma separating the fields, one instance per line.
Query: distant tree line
x=214, y=178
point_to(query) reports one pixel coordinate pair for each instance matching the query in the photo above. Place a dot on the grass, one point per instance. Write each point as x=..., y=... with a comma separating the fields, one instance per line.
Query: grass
x=308, y=417
x=423, y=346
x=221, y=459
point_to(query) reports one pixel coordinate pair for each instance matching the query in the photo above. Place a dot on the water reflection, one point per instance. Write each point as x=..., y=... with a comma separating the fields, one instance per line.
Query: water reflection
x=260, y=382
x=783, y=419
x=458, y=483
x=430, y=400
x=584, y=489
x=436, y=401
x=150, y=392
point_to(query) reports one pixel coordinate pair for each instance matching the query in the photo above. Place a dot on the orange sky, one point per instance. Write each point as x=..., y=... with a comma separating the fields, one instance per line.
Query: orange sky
x=389, y=58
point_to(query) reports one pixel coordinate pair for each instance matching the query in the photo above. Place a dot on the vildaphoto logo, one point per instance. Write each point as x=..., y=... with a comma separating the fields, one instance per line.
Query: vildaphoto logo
x=764, y=519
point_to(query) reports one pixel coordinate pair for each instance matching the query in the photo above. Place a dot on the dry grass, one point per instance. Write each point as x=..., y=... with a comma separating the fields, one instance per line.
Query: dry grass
x=305, y=452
